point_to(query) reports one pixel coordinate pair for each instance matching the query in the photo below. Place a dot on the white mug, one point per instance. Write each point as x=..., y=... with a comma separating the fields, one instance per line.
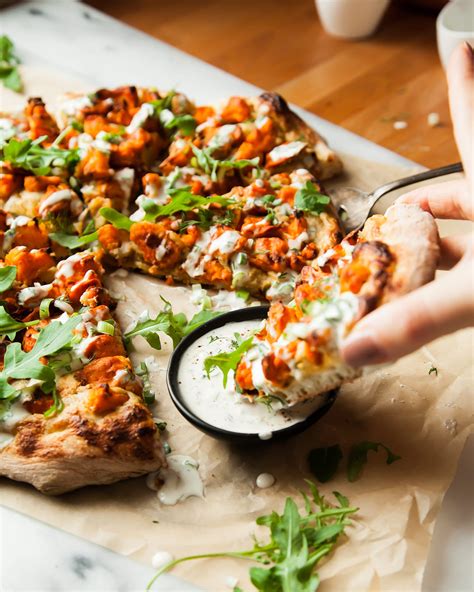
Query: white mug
x=454, y=25
x=351, y=19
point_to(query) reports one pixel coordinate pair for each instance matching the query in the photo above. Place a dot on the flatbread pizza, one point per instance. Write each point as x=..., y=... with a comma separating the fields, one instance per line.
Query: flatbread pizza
x=228, y=196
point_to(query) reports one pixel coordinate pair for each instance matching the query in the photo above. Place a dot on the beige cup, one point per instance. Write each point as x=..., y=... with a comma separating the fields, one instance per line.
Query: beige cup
x=351, y=19
x=454, y=25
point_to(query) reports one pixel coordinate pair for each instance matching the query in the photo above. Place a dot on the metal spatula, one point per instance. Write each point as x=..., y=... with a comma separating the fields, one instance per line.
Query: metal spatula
x=355, y=206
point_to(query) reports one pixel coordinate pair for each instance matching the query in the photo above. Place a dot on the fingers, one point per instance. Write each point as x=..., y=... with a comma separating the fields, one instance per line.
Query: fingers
x=449, y=200
x=461, y=102
x=400, y=327
x=452, y=249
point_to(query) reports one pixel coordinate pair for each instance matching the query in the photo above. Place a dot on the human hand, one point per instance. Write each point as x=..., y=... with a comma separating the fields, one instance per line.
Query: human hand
x=446, y=304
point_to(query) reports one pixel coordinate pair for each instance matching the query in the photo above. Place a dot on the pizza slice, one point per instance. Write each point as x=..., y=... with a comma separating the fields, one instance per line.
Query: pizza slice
x=295, y=356
x=72, y=411
x=255, y=238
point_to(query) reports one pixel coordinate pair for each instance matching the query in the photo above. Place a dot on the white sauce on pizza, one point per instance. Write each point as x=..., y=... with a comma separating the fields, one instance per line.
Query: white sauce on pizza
x=54, y=198
x=139, y=119
x=225, y=243
x=225, y=408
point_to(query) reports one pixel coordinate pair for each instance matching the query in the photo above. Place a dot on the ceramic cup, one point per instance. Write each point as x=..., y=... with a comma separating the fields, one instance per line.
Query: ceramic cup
x=455, y=24
x=351, y=19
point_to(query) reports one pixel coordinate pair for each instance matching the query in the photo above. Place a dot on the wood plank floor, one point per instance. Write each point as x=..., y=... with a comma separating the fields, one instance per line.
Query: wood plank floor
x=280, y=45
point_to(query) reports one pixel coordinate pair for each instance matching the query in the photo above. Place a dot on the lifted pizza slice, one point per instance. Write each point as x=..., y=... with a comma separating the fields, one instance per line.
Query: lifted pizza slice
x=296, y=355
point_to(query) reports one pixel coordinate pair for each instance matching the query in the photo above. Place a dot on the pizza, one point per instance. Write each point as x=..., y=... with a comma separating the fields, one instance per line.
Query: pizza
x=295, y=355
x=229, y=196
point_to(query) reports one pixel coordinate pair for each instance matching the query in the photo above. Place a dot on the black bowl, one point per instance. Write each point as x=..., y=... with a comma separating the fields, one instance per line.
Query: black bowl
x=243, y=314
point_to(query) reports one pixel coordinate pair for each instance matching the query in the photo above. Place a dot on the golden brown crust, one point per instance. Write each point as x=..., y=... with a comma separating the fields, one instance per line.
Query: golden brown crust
x=77, y=448
x=412, y=236
x=319, y=159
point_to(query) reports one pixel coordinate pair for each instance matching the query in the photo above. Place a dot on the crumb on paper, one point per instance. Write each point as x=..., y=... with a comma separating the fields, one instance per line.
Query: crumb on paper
x=399, y=125
x=451, y=425
x=434, y=119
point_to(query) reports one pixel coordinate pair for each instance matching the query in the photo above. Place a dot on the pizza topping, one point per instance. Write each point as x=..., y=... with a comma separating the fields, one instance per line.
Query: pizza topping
x=140, y=118
x=32, y=296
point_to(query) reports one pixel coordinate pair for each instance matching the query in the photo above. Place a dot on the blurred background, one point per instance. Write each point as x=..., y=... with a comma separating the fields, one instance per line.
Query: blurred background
x=389, y=87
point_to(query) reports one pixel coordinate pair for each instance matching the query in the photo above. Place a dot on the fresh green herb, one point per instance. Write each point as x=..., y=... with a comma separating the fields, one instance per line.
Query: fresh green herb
x=433, y=370
x=57, y=405
x=243, y=294
x=119, y=220
x=324, y=462
x=297, y=543
x=73, y=241
x=218, y=168
x=77, y=125
x=227, y=361
x=44, y=308
x=163, y=103
x=9, y=326
x=182, y=200
x=31, y=156
x=213, y=338
x=19, y=364
x=9, y=75
x=166, y=448
x=358, y=458
x=7, y=277
x=175, y=326
x=148, y=393
x=309, y=199
x=106, y=327
x=186, y=124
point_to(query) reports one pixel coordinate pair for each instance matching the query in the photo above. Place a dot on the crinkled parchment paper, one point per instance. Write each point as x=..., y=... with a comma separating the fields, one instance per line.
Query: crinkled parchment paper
x=423, y=417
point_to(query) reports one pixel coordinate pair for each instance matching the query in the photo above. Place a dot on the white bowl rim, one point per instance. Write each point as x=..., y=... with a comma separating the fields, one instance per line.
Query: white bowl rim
x=440, y=21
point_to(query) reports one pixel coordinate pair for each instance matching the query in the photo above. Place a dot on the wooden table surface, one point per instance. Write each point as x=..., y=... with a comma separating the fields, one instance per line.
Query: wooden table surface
x=280, y=45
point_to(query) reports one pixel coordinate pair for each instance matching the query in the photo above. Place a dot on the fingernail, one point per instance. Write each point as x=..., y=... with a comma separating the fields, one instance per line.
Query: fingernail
x=361, y=348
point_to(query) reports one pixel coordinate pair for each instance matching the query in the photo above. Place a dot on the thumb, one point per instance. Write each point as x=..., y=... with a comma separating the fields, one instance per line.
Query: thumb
x=402, y=326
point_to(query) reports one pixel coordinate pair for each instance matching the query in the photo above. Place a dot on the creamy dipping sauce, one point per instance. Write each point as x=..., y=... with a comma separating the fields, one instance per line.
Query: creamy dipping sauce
x=223, y=407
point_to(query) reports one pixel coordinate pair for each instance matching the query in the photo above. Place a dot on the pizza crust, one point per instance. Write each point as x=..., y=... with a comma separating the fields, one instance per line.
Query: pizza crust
x=412, y=236
x=326, y=163
x=75, y=448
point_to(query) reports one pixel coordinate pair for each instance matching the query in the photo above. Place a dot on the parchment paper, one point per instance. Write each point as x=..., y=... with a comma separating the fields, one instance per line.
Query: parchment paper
x=423, y=417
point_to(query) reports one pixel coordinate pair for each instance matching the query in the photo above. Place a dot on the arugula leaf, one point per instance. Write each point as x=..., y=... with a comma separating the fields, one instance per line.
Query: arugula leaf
x=324, y=462
x=73, y=241
x=19, y=364
x=175, y=326
x=182, y=200
x=227, y=361
x=358, y=457
x=31, y=156
x=9, y=61
x=309, y=199
x=9, y=326
x=119, y=220
x=216, y=168
x=7, y=277
x=298, y=541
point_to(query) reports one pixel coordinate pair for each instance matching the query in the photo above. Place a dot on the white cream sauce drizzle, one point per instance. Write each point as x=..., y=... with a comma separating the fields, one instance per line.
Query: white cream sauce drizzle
x=225, y=407
x=180, y=480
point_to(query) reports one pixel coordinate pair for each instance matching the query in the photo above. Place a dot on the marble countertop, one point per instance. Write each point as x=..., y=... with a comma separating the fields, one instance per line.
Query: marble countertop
x=35, y=557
